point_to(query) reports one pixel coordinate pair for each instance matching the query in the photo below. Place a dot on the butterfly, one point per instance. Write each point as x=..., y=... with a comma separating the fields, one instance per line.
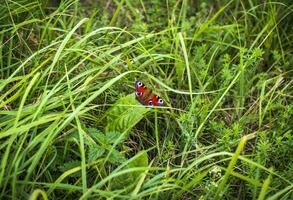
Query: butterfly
x=145, y=96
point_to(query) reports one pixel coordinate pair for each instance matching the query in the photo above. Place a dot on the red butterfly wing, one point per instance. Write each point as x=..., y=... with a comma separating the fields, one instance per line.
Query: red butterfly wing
x=145, y=97
x=142, y=93
x=155, y=100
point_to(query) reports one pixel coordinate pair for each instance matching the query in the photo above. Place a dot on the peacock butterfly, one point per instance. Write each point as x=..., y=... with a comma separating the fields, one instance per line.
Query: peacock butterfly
x=145, y=96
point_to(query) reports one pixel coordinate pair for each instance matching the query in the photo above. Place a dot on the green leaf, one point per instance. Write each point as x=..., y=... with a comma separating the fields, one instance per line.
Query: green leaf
x=112, y=137
x=131, y=178
x=116, y=157
x=125, y=114
x=96, y=134
x=94, y=153
x=105, y=139
x=141, y=161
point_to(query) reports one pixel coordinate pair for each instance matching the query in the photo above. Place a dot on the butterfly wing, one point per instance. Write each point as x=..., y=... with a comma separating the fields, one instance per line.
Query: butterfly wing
x=145, y=96
x=155, y=100
x=142, y=93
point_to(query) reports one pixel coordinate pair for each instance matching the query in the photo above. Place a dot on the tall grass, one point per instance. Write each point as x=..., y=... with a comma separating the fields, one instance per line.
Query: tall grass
x=70, y=126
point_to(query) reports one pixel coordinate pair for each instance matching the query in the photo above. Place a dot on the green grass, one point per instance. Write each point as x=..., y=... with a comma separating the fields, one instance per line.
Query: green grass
x=71, y=128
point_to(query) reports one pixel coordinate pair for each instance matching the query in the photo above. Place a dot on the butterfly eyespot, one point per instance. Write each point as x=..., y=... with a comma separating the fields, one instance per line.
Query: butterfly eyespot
x=139, y=84
x=138, y=93
x=151, y=103
x=161, y=101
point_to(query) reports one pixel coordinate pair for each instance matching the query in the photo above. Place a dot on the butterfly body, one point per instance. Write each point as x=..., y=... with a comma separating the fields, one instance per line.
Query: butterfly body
x=145, y=96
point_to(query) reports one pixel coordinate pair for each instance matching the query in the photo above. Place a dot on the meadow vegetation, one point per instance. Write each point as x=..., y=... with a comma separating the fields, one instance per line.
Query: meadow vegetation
x=70, y=126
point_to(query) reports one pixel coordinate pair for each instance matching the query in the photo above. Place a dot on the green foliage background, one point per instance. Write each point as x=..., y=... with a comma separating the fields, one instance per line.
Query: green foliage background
x=70, y=126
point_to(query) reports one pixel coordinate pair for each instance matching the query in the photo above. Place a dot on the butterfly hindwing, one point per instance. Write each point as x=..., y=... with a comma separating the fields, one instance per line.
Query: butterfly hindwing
x=145, y=96
x=155, y=100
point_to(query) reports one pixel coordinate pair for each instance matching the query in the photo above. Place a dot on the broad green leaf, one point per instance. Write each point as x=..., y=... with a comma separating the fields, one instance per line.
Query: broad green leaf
x=131, y=178
x=141, y=161
x=125, y=114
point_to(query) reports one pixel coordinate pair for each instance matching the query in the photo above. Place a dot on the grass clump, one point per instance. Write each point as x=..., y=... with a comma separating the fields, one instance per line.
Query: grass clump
x=70, y=126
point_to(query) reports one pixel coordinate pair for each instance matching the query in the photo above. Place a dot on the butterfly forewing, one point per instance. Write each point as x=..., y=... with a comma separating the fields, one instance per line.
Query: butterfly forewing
x=141, y=92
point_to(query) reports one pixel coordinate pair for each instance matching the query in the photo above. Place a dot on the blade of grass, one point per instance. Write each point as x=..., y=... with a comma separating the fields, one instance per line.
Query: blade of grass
x=281, y=193
x=116, y=13
x=62, y=46
x=81, y=137
x=265, y=187
x=232, y=164
x=140, y=182
x=36, y=193
x=12, y=140
x=187, y=66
